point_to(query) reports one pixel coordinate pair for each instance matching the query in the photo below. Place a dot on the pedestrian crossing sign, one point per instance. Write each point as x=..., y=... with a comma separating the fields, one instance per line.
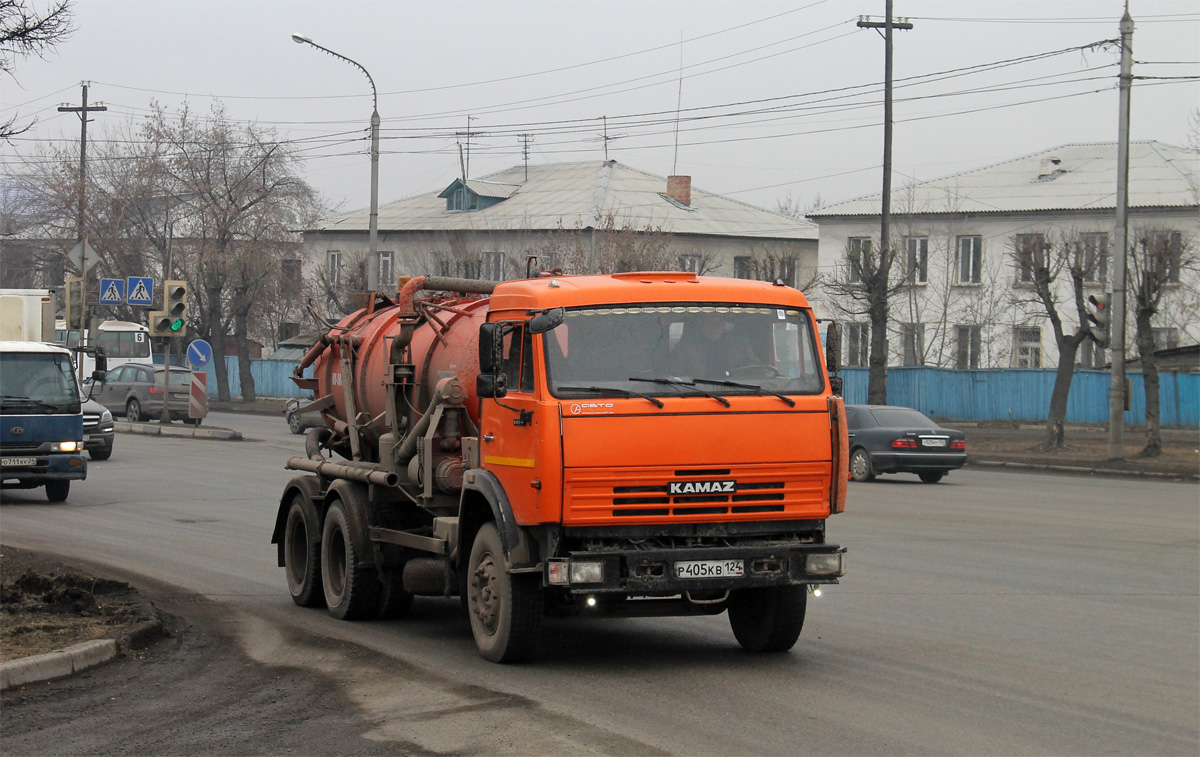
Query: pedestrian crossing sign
x=112, y=291
x=141, y=290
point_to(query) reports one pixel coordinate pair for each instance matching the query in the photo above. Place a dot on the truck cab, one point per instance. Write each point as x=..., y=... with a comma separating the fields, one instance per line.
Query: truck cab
x=41, y=426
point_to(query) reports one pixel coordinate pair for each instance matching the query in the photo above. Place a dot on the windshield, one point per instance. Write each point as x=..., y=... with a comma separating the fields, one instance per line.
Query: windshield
x=682, y=348
x=37, y=379
x=124, y=344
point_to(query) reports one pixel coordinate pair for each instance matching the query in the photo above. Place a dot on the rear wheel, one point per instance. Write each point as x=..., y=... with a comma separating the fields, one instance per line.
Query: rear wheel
x=768, y=619
x=931, y=478
x=57, y=491
x=505, y=609
x=351, y=589
x=302, y=552
x=133, y=409
x=860, y=465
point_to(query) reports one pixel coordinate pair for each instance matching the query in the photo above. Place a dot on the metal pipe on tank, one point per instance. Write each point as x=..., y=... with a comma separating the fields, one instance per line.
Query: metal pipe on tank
x=337, y=470
x=438, y=283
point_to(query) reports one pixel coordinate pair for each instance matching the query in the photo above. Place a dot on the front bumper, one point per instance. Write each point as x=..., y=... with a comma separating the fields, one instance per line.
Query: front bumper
x=72, y=467
x=651, y=572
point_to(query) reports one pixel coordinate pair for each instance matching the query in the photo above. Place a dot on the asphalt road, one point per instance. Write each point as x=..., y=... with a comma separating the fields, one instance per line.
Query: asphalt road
x=994, y=613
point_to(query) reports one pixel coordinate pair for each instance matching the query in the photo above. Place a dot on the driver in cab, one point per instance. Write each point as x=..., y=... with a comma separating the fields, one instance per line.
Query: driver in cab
x=709, y=348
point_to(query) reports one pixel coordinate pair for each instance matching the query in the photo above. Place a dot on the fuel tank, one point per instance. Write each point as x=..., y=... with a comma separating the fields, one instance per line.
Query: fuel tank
x=444, y=343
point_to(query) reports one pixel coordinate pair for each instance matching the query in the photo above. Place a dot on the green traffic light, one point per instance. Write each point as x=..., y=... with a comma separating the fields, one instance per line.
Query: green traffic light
x=176, y=324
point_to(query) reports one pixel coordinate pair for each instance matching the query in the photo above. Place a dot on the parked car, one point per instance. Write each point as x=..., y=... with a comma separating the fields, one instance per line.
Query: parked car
x=889, y=439
x=136, y=390
x=98, y=428
x=298, y=423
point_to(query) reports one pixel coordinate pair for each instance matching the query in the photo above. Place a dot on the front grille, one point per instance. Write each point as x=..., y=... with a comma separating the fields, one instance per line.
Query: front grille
x=20, y=449
x=90, y=422
x=593, y=496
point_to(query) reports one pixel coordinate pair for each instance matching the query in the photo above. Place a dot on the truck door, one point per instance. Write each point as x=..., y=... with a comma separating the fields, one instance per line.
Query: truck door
x=512, y=426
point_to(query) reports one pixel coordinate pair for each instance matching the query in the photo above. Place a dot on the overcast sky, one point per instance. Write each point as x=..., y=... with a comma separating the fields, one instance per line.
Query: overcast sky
x=776, y=99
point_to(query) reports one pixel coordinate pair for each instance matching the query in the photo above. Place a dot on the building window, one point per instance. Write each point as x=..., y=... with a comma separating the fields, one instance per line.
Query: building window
x=858, y=343
x=1095, y=257
x=386, y=276
x=917, y=271
x=462, y=199
x=1165, y=338
x=968, y=341
x=970, y=259
x=334, y=260
x=743, y=267
x=1031, y=256
x=1027, y=347
x=491, y=266
x=1091, y=355
x=912, y=343
x=690, y=263
x=289, y=273
x=1163, y=250
x=858, y=251
x=768, y=268
x=288, y=330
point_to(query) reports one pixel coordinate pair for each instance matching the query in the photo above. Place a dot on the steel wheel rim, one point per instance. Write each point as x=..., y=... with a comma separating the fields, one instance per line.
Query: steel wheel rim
x=485, y=593
x=858, y=464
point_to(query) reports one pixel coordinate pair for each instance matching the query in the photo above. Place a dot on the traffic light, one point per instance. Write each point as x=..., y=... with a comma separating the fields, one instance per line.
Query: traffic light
x=1100, y=314
x=172, y=319
x=73, y=304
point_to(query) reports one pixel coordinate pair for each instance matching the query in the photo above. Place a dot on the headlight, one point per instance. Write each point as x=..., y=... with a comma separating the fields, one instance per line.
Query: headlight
x=587, y=572
x=825, y=564
x=106, y=417
x=66, y=447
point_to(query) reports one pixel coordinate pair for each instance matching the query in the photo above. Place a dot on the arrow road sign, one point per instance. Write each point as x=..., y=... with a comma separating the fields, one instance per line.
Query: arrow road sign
x=112, y=291
x=141, y=290
x=199, y=353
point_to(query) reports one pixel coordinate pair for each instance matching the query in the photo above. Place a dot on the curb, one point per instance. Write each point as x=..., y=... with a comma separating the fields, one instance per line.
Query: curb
x=62, y=662
x=189, y=432
x=1082, y=469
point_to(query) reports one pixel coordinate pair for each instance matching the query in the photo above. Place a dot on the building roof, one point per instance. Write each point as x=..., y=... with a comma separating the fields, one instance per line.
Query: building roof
x=1069, y=177
x=577, y=195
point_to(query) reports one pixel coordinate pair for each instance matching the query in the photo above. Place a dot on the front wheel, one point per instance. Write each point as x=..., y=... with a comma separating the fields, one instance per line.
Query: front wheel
x=931, y=478
x=101, y=454
x=860, y=466
x=505, y=609
x=133, y=410
x=768, y=619
x=294, y=423
x=57, y=490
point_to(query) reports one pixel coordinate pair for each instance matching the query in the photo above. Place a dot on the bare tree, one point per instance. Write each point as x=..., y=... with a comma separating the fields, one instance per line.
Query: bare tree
x=24, y=32
x=1039, y=264
x=1157, y=259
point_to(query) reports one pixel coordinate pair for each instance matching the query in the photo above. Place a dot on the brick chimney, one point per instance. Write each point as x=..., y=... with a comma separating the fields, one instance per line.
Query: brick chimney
x=679, y=189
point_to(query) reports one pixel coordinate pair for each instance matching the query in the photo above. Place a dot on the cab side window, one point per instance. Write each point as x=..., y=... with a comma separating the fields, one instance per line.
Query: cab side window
x=518, y=359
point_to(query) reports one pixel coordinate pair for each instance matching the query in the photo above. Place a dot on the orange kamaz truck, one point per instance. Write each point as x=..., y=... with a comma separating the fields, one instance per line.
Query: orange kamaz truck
x=632, y=444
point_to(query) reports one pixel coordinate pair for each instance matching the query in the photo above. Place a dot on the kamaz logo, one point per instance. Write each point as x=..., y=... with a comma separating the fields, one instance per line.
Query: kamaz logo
x=702, y=487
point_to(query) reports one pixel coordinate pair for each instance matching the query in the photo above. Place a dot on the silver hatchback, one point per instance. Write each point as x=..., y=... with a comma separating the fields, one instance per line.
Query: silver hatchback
x=137, y=391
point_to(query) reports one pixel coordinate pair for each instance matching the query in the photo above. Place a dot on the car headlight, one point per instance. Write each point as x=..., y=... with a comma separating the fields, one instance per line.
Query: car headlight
x=825, y=564
x=65, y=447
x=106, y=417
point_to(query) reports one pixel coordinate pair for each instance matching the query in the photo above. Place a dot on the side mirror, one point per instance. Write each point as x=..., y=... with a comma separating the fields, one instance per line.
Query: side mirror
x=491, y=346
x=98, y=376
x=491, y=385
x=547, y=321
x=833, y=347
x=101, y=361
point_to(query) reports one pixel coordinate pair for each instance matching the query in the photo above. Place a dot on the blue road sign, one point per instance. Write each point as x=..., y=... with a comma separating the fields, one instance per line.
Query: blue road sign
x=112, y=291
x=199, y=353
x=141, y=290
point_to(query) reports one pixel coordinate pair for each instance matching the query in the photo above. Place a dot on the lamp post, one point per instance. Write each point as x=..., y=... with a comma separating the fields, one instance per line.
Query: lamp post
x=373, y=239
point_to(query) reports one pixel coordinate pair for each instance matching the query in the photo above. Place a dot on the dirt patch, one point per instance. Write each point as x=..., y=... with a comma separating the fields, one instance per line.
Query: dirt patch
x=45, y=605
x=1087, y=447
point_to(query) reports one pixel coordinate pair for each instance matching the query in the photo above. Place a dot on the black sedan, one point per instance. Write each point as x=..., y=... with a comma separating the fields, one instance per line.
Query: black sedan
x=886, y=439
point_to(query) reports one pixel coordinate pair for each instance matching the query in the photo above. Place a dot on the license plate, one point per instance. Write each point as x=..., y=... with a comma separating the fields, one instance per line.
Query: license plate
x=86, y=438
x=14, y=461
x=933, y=442
x=708, y=568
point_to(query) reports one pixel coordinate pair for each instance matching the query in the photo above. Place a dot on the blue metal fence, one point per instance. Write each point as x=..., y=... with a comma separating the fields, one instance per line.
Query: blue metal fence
x=1024, y=395
x=985, y=395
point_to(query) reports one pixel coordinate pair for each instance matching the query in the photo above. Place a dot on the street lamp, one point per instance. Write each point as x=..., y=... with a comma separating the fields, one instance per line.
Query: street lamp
x=373, y=257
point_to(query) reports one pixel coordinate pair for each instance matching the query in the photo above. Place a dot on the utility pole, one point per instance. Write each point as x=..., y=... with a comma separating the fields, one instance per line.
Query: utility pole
x=1116, y=389
x=83, y=109
x=877, y=391
x=526, y=141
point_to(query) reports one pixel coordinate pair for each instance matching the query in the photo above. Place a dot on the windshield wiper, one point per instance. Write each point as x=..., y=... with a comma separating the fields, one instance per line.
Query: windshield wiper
x=681, y=382
x=602, y=389
x=733, y=384
x=15, y=399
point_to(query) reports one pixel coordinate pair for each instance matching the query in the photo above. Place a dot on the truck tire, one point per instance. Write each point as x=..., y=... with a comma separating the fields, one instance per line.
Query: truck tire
x=768, y=619
x=351, y=590
x=505, y=609
x=302, y=552
x=57, y=490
